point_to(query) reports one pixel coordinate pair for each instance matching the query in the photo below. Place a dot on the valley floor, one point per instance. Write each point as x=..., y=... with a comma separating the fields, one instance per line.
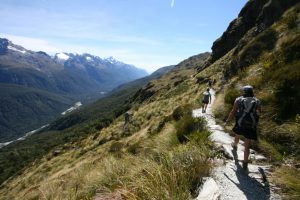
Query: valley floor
x=229, y=179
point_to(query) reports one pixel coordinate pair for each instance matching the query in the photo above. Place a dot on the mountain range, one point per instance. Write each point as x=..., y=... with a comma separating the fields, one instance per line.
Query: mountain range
x=163, y=152
x=36, y=87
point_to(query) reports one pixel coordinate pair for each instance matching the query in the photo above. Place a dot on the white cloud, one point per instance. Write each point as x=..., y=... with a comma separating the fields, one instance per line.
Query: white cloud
x=172, y=3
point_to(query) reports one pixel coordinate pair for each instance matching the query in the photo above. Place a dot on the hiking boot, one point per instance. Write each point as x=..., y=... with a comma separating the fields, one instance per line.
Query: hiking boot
x=234, y=146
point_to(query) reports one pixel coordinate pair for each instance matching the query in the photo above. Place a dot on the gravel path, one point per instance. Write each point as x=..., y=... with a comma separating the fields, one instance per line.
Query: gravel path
x=233, y=182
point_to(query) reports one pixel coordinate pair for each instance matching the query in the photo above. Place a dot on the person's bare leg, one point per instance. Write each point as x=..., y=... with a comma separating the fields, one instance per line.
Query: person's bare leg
x=236, y=139
x=247, y=150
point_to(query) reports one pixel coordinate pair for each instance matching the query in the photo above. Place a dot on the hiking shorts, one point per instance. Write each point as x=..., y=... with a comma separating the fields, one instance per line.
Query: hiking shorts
x=205, y=102
x=249, y=133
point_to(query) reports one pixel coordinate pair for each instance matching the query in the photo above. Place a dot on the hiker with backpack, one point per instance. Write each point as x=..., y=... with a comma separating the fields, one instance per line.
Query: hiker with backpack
x=206, y=100
x=210, y=82
x=246, y=110
x=127, y=119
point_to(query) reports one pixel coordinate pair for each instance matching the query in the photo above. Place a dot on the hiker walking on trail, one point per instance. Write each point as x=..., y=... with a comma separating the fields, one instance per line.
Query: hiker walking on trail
x=246, y=110
x=206, y=100
x=210, y=82
x=127, y=118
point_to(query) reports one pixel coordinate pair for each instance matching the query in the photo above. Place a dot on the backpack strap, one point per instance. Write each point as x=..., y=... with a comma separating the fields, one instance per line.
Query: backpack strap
x=253, y=111
x=248, y=110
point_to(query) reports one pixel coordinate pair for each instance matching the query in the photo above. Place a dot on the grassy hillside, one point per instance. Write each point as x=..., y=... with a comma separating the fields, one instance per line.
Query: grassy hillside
x=154, y=135
x=163, y=153
x=70, y=128
x=114, y=150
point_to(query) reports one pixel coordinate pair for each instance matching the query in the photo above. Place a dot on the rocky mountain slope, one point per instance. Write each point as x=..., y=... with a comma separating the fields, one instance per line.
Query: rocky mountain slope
x=254, y=18
x=40, y=87
x=163, y=153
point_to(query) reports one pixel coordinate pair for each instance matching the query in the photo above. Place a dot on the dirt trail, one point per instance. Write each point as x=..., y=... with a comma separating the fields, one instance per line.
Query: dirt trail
x=230, y=180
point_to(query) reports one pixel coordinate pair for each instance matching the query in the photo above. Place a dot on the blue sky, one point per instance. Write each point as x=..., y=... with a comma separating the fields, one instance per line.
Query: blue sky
x=146, y=33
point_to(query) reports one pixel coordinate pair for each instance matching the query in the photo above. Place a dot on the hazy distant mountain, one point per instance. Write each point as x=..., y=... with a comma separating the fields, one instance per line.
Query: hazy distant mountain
x=108, y=73
x=57, y=81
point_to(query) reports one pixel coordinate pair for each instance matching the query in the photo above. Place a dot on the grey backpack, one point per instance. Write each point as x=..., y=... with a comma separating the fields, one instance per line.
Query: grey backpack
x=246, y=115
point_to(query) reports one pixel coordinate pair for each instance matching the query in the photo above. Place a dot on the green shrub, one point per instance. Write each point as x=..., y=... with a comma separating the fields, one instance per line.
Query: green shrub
x=116, y=147
x=181, y=111
x=202, y=140
x=221, y=112
x=230, y=95
x=291, y=20
x=287, y=91
x=290, y=49
x=188, y=125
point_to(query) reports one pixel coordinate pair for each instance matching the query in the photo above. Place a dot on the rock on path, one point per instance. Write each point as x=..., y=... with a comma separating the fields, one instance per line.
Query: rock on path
x=232, y=181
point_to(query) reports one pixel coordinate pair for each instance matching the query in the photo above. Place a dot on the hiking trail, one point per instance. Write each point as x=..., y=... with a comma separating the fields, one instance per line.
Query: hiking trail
x=229, y=181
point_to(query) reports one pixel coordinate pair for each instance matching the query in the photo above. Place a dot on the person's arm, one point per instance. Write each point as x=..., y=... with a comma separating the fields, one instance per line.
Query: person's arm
x=209, y=98
x=232, y=112
x=258, y=109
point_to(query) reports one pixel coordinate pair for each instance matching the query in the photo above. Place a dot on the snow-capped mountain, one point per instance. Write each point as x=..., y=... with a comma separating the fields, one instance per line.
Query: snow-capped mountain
x=37, y=81
x=63, y=72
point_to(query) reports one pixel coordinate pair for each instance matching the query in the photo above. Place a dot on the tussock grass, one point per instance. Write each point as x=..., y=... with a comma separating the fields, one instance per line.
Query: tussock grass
x=223, y=103
x=148, y=162
x=187, y=126
x=269, y=149
x=174, y=177
x=288, y=179
x=180, y=111
x=167, y=174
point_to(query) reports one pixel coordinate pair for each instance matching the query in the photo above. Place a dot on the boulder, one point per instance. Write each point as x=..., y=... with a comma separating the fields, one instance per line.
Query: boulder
x=209, y=191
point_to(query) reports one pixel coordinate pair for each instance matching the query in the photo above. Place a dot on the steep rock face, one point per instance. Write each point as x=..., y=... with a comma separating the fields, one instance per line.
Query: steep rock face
x=257, y=15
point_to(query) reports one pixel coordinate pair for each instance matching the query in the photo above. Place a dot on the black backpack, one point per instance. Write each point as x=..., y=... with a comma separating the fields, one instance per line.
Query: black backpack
x=206, y=96
x=246, y=115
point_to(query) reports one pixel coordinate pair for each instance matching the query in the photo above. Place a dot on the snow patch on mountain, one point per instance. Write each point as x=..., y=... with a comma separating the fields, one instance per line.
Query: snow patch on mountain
x=15, y=49
x=88, y=58
x=111, y=60
x=62, y=56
